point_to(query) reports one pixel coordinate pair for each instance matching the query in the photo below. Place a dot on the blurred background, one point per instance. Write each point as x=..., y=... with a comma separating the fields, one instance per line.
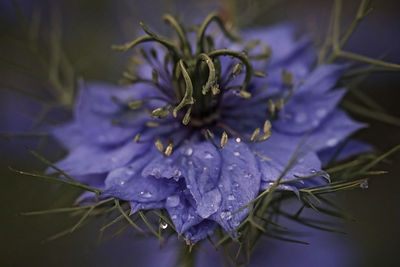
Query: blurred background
x=51, y=44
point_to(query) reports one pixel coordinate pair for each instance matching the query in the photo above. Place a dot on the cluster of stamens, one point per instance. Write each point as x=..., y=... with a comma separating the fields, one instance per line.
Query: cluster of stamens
x=196, y=80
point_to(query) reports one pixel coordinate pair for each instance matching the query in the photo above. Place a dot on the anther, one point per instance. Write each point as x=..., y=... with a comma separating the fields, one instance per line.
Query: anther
x=168, y=150
x=136, y=139
x=135, y=104
x=244, y=94
x=271, y=107
x=264, y=137
x=255, y=134
x=159, y=145
x=152, y=124
x=224, y=139
x=160, y=113
x=287, y=77
x=267, y=126
x=154, y=76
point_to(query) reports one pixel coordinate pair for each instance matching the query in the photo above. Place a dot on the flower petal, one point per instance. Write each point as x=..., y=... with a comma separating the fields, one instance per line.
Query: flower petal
x=239, y=183
x=90, y=159
x=343, y=151
x=304, y=112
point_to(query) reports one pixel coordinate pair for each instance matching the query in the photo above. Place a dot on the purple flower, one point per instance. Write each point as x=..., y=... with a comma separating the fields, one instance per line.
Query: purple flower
x=200, y=133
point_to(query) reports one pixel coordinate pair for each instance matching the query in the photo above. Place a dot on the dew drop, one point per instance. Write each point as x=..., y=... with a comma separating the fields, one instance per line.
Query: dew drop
x=230, y=167
x=121, y=182
x=163, y=225
x=236, y=153
x=226, y=215
x=172, y=201
x=146, y=194
x=300, y=118
x=321, y=112
x=235, y=185
x=129, y=172
x=332, y=142
x=231, y=197
x=238, y=140
x=189, y=151
x=208, y=155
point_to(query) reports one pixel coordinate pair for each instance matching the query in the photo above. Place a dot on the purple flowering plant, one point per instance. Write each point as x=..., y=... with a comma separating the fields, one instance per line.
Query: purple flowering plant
x=211, y=131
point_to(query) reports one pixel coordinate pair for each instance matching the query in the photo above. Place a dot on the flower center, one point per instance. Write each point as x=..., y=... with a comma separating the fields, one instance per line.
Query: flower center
x=194, y=82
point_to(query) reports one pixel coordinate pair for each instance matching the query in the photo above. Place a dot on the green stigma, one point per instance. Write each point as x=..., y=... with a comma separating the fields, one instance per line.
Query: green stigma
x=196, y=76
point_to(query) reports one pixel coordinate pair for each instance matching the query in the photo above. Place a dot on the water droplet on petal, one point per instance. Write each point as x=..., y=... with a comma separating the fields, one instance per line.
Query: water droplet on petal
x=172, y=201
x=208, y=155
x=321, y=112
x=189, y=151
x=226, y=215
x=238, y=140
x=163, y=225
x=146, y=194
x=235, y=185
x=236, y=153
x=121, y=182
x=231, y=197
x=230, y=167
x=300, y=117
x=129, y=172
x=331, y=142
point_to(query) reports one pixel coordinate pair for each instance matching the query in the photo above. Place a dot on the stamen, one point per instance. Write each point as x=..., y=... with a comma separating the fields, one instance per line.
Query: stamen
x=159, y=145
x=255, y=134
x=245, y=94
x=237, y=69
x=239, y=55
x=287, y=77
x=280, y=103
x=224, y=139
x=267, y=126
x=168, y=150
x=264, y=55
x=259, y=74
x=264, y=137
x=271, y=107
x=208, y=134
x=152, y=124
x=186, y=118
x=215, y=89
x=136, y=104
x=136, y=139
x=160, y=112
x=154, y=76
